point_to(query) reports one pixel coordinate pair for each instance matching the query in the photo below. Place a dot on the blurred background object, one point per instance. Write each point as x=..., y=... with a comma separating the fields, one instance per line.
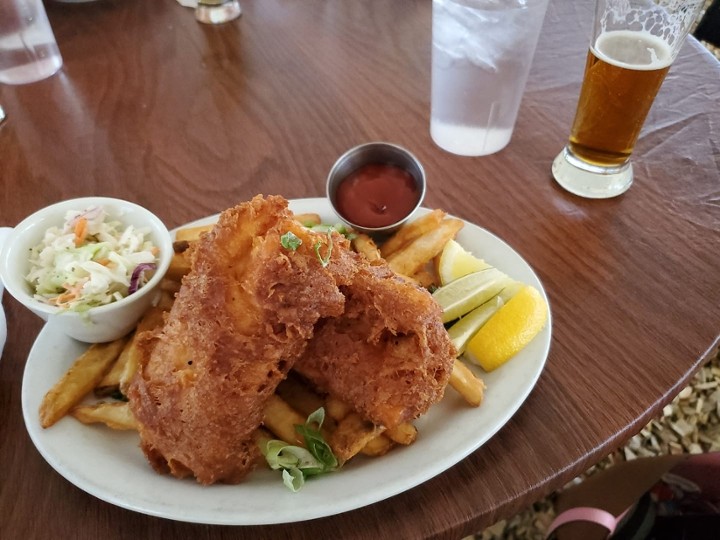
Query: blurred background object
x=708, y=28
x=217, y=11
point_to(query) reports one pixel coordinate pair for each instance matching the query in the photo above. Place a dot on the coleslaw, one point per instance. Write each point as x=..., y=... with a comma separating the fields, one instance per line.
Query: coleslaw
x=90, y=261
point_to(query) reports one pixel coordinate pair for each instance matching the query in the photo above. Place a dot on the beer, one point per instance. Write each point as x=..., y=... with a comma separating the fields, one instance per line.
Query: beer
x=623, y=74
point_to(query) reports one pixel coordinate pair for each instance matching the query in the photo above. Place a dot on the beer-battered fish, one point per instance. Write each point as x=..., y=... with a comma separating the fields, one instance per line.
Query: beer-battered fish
x=242, y=317
x=257, y=303
x=388, y=355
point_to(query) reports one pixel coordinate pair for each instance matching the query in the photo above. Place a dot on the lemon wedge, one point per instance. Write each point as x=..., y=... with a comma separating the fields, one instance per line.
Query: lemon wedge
x=461, y=332
x=455, y=262
x=468, y=292
x=468, y=325
x=509, y=330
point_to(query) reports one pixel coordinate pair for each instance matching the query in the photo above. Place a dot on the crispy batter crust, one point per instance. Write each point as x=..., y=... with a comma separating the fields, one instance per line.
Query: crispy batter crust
x=388, y=355
x=250, y=310
x=242, y=317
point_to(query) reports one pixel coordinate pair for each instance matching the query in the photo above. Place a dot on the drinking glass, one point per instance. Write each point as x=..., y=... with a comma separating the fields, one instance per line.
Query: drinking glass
x=28, y=51
x=633, y=44
x=481, y=56
x=217, y=11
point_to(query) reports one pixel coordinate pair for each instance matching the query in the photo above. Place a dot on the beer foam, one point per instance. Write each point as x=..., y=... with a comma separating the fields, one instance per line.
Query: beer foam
x=640, y=51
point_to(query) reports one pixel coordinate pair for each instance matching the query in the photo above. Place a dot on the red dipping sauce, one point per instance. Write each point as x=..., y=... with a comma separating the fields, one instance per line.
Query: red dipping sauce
x=377, y=195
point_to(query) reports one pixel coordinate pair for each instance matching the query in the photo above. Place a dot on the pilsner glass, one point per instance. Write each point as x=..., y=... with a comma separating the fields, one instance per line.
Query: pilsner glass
x=634, y=43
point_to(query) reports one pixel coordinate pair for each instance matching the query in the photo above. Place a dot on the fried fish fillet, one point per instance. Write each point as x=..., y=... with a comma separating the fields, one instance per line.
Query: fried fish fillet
x=242, y=317
x=250, y=310
x=388, y=355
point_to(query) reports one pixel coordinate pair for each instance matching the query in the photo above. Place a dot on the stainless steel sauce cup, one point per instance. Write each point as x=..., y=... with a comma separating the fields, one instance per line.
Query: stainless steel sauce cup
x=375, y=153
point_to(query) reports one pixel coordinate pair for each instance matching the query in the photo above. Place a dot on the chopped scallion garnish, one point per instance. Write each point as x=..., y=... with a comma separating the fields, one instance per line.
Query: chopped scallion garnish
x=299, y=463
x=290, y=241
x=324, y=261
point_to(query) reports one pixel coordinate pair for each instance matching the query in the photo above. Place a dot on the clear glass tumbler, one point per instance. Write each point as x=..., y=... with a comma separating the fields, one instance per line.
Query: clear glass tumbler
x=481, y=56
x=28, y=51
x=634, y=43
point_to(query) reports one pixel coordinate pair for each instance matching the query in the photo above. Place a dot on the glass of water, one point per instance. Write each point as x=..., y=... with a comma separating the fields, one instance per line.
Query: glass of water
x=28, y=51
x=481, y=56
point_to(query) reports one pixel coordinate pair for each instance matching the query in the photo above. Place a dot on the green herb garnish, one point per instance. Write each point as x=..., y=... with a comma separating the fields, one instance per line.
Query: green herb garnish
x=297, y=463
x=324, y=261
x=345, y=231
x=338, y=227
x=290, y=241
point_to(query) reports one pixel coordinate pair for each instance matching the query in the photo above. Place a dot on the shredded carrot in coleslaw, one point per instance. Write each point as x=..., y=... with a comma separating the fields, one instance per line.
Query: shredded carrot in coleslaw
x=89, y=261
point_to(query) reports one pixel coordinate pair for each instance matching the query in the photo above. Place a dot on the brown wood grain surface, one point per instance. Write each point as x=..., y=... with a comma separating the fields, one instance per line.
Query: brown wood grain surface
x=187, y=120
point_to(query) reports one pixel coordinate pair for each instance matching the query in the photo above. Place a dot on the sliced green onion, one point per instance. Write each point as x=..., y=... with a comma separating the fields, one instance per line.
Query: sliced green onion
x=290, y=241
x=297, y=463
x=324, y=261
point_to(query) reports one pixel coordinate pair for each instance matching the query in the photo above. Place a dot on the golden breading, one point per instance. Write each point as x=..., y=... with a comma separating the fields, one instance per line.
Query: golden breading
x=388, y=356
x=241, y=318
x=251, y=309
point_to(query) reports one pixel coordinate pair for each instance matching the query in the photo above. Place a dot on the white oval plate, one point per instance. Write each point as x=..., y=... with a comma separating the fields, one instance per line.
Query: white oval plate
x=109, y=464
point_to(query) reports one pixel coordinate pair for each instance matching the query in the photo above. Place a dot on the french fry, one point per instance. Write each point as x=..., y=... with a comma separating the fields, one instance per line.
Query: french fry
x=351, y=435
x=425, y=278
x=404, y=433
x=336, y=408
x=262, y=436
x=170, y=285
x=79, y=380
x=466, y=384
x=110, y=383
x=120, y=371
x=167, y=299
x=152, y=319
x=191, y=234
x=281, y=419
x=379, y=446
x=304, y=400
x=115, y=415
x=131, y=365
x=411, y=258
x=410, y=231
x=308, y=219
x=364, y=245
x=179, y=266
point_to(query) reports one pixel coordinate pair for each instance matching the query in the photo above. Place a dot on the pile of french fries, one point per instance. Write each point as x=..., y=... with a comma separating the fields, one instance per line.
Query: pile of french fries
x=105, y=370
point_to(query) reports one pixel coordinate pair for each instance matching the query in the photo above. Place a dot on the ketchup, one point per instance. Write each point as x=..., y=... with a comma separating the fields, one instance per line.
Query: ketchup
x=377, y=195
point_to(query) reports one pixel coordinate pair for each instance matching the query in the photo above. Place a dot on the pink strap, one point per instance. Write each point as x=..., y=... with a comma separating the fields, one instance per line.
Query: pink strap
x=586, y=513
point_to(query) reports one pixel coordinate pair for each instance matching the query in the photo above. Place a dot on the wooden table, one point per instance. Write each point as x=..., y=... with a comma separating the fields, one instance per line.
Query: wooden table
x=187, y=120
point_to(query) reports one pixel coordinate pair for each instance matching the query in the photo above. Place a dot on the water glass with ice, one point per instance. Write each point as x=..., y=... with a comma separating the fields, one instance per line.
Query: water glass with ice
x=28, y=51
x=481, y=56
